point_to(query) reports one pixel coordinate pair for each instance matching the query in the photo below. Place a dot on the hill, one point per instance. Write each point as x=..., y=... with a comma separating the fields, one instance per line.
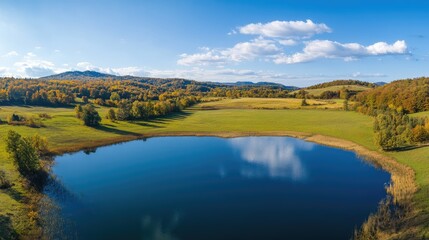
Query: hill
x=78, y=75
x=62, y=89
x=380, y=83
x=93, y=75
x=341, y=83
x=411, y=95
x=353, y=87
x=257, y=84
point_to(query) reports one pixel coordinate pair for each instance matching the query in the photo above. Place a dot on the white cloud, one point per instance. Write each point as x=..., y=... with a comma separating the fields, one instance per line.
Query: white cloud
x=255, y=48
x=35, y=68
x=318, y=49
x=285, y=29
x=5, y=72
x=133, y=71
x=217, y=75
x=367, y=75
x=85, y=66
x=11, y=54
x=30, y=55
x=287, y=42
x=276, y=37
x=380, y=48
x=233, y=32
x=130, y=71
x=250, y=50
x=205, y=58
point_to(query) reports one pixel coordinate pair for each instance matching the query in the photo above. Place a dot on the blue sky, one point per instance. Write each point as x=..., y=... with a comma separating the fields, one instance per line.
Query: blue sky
x=291, y=42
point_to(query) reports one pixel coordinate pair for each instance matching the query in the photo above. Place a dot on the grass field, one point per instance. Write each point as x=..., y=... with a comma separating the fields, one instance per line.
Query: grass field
x=65, y=132
x=318, y=91
x=271, y=103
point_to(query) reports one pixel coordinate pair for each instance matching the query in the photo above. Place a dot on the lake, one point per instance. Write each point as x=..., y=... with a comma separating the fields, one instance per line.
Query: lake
x=207, y=188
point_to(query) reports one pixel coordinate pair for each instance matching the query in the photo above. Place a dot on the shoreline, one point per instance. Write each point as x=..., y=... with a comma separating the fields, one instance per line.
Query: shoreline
x=402, y=186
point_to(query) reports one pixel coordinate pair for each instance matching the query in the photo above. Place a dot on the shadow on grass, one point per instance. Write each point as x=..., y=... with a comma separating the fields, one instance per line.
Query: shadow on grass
x=145, y=124
x=16, y=195
x=7, y=231
x=160, y=121
x=154, y=123
x=115, y=130
x=408, y=148
x=70, y=106
x=169, y=118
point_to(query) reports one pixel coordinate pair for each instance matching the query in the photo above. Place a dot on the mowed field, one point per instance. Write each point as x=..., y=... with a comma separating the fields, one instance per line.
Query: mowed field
x=318, y=91
x=270, y=103
x=65, y=132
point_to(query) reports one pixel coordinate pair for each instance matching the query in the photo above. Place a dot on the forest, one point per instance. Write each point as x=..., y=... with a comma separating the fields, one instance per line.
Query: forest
x=42, y=92
x=408, y=95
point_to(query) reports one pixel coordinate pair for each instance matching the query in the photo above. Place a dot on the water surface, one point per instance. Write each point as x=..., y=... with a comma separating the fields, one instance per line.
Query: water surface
x=213, y=188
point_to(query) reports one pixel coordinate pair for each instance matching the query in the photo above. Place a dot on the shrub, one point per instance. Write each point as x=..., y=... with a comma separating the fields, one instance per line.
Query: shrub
x=15, y=119
x=4, y=181
x=111, y=114
x=90, y=116
x=420, y=134
x=40, y=144
x=346, y=105
x=34, y=122
x=304, y=102
x=115, y=96
x=44, y=116
x=100, y=102
x=78, y=110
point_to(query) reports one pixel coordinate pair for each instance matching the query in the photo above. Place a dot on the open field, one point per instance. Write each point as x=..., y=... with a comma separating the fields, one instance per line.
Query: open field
x=66, y=133
x=270, y=103
x=318, y=91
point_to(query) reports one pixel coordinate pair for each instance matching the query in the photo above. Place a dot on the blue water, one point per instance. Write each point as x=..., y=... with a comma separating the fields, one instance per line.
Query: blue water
x=213, y=188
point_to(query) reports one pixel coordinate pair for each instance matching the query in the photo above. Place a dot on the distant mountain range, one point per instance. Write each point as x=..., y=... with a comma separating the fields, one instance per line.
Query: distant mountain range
x=93, y=75
x=380, y=83
x=79, y=75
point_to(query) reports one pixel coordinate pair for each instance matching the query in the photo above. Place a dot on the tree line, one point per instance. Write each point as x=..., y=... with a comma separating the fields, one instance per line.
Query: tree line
x=47, y=92
x=135, y=110
x=26, y=153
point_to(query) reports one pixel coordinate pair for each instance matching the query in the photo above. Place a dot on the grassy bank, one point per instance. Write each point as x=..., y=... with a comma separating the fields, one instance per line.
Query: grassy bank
x=66, y=133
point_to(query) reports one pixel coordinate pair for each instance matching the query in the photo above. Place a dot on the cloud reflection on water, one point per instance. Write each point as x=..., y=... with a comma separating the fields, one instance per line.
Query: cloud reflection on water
x=155, y=229
x=275, y=156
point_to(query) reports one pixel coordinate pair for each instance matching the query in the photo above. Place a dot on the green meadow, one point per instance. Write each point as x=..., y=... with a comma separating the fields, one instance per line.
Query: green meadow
x=271, y=103
x=66, y=133
x=318, y=91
